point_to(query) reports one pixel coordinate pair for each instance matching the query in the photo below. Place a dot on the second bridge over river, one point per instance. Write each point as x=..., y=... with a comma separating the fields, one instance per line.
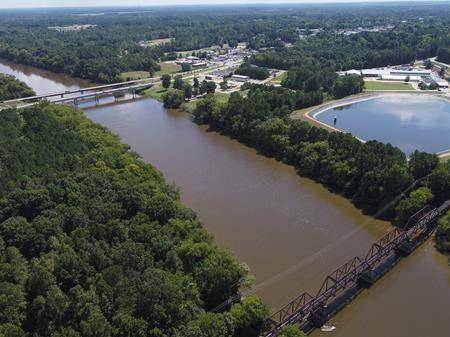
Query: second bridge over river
x=345, y=283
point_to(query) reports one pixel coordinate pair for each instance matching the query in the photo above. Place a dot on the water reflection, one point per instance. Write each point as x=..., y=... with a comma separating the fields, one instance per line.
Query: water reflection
x=404, y=120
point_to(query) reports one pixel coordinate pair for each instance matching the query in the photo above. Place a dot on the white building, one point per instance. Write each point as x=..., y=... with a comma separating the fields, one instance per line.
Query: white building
x=240, y=78
x=400, y=78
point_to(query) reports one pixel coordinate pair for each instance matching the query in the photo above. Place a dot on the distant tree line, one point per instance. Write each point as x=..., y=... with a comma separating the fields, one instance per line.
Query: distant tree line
x=112, y=46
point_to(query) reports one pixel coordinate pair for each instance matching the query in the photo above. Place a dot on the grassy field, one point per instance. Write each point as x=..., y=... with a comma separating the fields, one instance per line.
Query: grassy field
x=134, y=75
x=190, y=106
x=375, y=85
x=156, y=93
x=158, y=42
x=168, y=68
x=278, y=78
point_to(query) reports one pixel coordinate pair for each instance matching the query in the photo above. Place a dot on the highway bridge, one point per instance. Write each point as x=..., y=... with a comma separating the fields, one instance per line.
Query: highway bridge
x=345, y=283
x=84, y=94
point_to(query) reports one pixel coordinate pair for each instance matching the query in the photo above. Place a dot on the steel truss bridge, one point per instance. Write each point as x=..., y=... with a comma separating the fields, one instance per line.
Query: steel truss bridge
x=346, y=282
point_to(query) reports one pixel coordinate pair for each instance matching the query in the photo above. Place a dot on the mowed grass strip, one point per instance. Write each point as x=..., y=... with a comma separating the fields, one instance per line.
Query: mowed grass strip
x=377, y=85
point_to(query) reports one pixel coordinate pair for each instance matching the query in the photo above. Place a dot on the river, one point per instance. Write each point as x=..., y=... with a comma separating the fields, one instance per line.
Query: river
x=289, y=230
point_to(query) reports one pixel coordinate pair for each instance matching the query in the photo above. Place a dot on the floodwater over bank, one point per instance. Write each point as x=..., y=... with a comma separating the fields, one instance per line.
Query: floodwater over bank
x=407, y=121
x=289, y=230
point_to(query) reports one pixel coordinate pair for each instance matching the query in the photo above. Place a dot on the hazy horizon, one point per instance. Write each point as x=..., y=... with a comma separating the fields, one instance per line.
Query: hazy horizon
x=142, y=3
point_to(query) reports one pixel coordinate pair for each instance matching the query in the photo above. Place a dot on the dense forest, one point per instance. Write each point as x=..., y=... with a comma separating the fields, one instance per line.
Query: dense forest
x=94, y=243
x=372, y=174
x=112, y=43
x=11, y=88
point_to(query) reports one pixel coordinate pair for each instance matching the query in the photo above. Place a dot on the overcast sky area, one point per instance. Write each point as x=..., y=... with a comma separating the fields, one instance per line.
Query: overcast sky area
x=109, y=3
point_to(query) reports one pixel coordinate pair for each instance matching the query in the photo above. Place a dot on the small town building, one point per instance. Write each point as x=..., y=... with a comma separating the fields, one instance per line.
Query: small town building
x=400, y=78
x=240, y=78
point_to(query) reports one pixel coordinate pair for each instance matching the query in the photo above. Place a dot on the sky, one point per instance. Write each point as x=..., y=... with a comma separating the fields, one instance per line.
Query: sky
x=109, y=3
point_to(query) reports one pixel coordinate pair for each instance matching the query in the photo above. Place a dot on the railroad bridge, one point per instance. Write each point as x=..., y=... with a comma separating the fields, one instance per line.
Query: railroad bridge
x=346, y=282
x=85, y=94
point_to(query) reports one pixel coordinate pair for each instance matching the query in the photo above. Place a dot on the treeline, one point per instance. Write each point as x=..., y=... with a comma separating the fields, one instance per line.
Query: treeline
x=311, y=77
x=443, y=55
x=252, y=71
x=372, y=174
x=112, y=44
x=364, y=50
x=11, y=88
x=94, y=243
x=90, y=54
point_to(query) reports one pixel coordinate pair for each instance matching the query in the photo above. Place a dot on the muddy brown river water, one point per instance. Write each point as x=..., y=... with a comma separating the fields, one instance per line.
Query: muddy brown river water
x=289, y=230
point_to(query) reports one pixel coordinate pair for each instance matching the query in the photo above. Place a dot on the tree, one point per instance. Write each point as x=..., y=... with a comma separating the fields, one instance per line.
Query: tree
x=187, y=91
x=207, y=87
x=126, y=325
x=249, y=317
x=99, y=246
x=196, y=82
x=428, y=64
x=416, y=200
x=253, y=71
x=211, y=325
x=292, y=331
x=178, y=83
x=11, y=88
x=443, y=233
x=186, y=67
x=224, y=84
x=421, y=163
x=166, y=80
x=173, y=99
x=11, y=330
x=347, y=85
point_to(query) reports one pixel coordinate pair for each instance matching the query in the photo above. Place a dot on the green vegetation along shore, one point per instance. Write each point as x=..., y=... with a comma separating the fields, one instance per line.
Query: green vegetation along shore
x=94, y=243
x=371, y=174
x=11, y=88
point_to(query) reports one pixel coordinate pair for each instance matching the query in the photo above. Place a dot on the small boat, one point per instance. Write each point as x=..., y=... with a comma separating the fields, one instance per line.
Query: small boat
x=327, y=328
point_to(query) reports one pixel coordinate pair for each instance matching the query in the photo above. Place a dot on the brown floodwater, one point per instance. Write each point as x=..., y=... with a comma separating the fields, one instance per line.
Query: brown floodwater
x=290, y=231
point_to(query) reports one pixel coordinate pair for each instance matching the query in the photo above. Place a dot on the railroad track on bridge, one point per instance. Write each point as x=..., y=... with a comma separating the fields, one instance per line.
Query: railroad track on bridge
x=346, y=282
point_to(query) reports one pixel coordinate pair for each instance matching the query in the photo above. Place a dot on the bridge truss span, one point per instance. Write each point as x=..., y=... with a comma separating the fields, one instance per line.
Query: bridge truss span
x=347, y=281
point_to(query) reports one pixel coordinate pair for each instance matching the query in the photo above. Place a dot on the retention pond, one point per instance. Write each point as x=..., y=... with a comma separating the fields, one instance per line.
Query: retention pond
x=408, y=121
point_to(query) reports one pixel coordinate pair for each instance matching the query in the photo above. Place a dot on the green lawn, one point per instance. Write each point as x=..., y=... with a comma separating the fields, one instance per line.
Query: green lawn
x=156, y=93
x=168, y=68
x=190, y=106
x=134, y=75
x=376, y=85
x=278, y=78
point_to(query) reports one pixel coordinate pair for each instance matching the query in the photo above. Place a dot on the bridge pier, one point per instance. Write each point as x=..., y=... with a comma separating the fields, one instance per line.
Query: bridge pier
x=405, y=249
x=367, y=278
x=318, y=317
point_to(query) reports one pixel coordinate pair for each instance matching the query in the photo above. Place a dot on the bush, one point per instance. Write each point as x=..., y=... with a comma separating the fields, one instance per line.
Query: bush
x=173, y=99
